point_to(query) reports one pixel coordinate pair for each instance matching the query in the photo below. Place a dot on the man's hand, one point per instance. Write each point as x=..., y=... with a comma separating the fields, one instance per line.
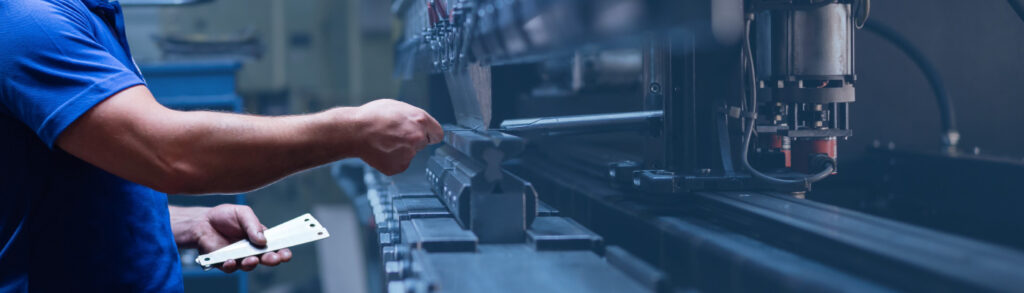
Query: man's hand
x=392, y=132
x=209, y=229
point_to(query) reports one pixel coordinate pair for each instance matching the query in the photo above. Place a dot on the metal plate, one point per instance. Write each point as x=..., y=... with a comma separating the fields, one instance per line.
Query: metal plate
x=301, y=230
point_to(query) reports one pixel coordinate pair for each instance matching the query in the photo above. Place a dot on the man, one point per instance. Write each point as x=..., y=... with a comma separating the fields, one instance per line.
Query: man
x=87, y=155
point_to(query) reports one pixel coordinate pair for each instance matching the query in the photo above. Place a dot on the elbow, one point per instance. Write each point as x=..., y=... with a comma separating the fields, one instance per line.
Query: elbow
x=179, y=173
x=180, y=178
x=192, y=178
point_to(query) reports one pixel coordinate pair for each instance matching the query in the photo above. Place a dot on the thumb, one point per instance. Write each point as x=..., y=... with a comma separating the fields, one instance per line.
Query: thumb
x=253, y=229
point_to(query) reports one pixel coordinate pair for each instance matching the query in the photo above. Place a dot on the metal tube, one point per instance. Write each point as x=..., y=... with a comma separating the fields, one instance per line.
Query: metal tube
x=627, y=121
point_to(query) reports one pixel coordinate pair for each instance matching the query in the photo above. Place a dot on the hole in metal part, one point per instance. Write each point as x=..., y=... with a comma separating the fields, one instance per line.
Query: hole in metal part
x=307, y=220
x=319, y=233
x=207, y=259
x=312, y=225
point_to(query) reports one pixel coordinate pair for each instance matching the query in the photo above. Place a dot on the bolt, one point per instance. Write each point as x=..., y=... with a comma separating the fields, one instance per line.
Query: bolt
x=655, y=87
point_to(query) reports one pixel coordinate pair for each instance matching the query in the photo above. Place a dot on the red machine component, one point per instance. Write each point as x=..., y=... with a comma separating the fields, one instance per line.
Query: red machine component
x=778, y=150
x=804, y=149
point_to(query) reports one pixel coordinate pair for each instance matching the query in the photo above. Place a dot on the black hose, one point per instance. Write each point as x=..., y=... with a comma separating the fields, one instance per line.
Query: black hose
x=1015, y=4
x=946, y=113
x=804, y=181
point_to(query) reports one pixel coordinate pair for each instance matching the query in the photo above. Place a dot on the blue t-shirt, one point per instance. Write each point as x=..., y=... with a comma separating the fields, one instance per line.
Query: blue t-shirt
x=65, y=225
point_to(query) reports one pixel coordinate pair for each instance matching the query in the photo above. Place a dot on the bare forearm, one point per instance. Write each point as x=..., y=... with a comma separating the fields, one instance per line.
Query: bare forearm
x=136, y=138
x=224, y=153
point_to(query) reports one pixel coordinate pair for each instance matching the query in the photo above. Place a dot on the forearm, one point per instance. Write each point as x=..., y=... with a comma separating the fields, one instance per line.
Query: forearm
x=132, y=136
x=226, y=153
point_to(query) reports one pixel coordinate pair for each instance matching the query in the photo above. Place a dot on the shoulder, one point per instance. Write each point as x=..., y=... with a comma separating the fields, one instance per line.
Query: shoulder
x=23, y=17
x=29, y=27
x=67, y=7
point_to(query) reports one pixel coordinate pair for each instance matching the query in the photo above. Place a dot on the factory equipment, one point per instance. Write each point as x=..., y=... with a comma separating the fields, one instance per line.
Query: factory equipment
x=645, y=145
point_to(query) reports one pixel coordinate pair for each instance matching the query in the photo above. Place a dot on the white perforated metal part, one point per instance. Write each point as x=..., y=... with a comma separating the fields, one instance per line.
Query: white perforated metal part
x=301, y=230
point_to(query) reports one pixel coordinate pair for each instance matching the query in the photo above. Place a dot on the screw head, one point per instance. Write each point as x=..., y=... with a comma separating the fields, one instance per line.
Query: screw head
x=655, y=87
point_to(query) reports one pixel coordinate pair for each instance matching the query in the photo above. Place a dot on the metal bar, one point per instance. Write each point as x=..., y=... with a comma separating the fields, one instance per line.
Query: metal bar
x=655, y=76
x=627, y=121
x=908, y=257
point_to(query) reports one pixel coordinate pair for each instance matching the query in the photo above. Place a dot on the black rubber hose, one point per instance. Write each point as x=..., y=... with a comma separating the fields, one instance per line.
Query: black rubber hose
x=1015, y=4
x=946, y=112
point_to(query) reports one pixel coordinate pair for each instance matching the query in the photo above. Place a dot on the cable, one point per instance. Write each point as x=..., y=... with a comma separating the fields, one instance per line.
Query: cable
x=1015, y=4
x=804, y=181
x=946, y=109
x=864, y=11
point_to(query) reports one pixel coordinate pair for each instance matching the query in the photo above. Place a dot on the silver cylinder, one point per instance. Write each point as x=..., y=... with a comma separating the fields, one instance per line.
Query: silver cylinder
x=813, y=41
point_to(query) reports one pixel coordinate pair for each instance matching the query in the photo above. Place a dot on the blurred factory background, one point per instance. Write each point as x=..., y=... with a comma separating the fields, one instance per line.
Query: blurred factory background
x=278, y=57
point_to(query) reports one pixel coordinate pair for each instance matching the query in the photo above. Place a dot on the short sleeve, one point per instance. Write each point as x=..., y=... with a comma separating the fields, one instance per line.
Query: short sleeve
x=53, y=68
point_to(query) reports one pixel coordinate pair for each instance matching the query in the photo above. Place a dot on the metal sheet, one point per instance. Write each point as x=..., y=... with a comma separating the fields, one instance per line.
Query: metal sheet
x=470, y=91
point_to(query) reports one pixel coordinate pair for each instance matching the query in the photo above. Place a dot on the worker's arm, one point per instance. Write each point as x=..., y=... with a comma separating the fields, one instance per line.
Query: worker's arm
x=132, y=136
x=208, y=229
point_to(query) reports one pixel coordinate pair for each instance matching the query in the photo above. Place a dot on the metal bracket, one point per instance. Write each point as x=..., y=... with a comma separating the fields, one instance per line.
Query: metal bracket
x=301, y=230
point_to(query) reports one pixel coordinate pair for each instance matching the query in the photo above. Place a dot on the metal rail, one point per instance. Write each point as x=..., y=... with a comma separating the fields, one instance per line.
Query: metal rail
x=711, y=236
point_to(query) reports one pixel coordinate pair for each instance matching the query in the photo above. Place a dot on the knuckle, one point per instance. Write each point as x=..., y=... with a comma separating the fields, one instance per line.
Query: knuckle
x=419, y=116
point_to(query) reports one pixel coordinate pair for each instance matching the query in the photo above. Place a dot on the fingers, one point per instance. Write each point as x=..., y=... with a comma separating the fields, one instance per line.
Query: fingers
x=276, y=257
x=285, y=254
x=229, y=266
x=270, y=259
x=250, y=263
x=251, y=225
x=433, y=129
x=418, y=139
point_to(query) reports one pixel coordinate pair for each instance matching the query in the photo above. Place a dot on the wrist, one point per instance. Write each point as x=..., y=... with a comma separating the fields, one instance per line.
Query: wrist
x=185, y=222
x=345, y=127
